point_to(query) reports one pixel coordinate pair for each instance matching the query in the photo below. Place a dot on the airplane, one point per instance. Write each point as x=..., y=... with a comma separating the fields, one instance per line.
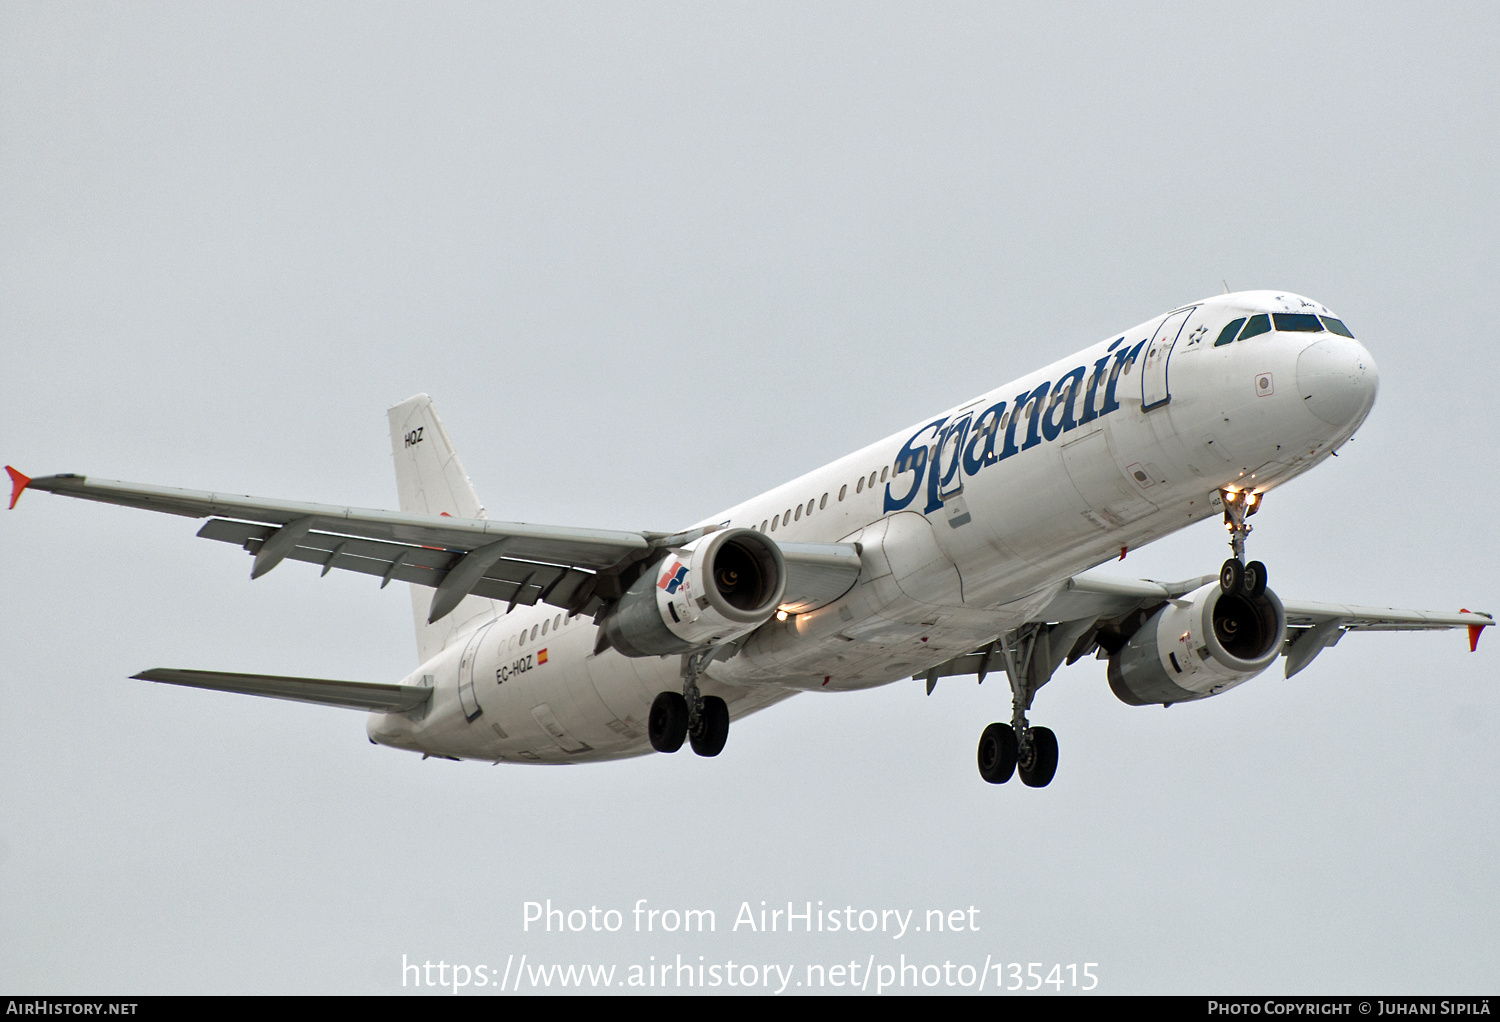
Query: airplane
x=959, y=546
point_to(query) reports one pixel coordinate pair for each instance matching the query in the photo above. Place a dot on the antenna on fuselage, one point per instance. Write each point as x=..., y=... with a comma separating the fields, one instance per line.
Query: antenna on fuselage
x=1225, y=283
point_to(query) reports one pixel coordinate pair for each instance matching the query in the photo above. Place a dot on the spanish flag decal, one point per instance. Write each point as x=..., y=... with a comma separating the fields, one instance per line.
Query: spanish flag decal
x=541, y=657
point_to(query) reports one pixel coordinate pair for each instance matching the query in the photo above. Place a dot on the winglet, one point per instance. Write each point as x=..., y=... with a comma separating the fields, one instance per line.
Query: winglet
x=18, y=482
x=1474, y=630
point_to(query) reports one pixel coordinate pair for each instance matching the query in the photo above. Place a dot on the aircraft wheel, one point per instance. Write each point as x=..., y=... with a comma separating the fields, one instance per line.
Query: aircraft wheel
x=1232, y=576
x=1255, y=579
x=667, y=724
x=1039, y=763
x=714, y=729
x=997, y=753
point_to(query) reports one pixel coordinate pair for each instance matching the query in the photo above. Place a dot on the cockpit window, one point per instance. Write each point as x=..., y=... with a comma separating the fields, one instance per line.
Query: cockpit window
x=1297, y=322
x=1337, y=326
x=1227, y=334
x=1258, y=325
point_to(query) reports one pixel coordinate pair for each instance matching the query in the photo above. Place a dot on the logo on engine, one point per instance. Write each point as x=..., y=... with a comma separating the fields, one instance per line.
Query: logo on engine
x=672, y=580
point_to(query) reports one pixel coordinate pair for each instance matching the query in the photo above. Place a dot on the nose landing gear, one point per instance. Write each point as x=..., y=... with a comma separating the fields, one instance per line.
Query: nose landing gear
x=1236, y=577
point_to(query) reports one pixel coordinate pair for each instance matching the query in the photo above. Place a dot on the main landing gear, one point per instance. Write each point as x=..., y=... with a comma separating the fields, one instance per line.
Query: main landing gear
x=692, y=716
x=1030, y=656
x=1237, y=577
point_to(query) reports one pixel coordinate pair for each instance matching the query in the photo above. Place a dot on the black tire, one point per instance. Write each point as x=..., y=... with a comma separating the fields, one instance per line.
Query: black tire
x=1232, y=576
x=1255, y=579
x=667, y=724
x=997, y=753
x=714, y=729
x=1037, y=773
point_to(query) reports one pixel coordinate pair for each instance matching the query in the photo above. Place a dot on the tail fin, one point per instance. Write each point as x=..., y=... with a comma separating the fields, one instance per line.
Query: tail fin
x=431, y=480
x=429, y=477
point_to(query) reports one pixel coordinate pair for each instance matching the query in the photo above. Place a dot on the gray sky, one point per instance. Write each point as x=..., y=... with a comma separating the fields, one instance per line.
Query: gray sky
x=651, y=260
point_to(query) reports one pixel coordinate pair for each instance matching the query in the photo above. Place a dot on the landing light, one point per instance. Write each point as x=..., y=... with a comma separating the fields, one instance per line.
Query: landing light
x=781, y=615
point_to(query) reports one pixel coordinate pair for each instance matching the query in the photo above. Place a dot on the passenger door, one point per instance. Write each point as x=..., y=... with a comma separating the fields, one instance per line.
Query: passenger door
x=466, y=664
x=1154, y=387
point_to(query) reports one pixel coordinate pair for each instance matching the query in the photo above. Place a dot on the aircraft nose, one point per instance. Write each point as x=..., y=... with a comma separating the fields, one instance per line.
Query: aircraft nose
x=1337, y=379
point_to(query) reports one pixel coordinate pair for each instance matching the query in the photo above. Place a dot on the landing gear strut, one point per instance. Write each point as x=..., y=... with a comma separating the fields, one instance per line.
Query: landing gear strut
x=1237, y=577
x=1029, y=658
x=692, y=716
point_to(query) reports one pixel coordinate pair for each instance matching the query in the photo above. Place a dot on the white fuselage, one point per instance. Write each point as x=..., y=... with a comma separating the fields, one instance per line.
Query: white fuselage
x=967, y=522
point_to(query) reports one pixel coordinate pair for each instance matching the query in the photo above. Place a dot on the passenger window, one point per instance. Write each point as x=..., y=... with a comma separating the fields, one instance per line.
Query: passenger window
x=1337, y=326
x=533, y=631
x=872, y=480
x=763, y=524
x=884, y=471
x=786, y=516
x=823, y=503
x=1004, y=421
x=1258, y=325
x=1297, y=322
x=810, y=504
x=774, y=521
x=544, y=626
x=522, y=640
x=798, y=518
x=1227, y=334
x=557, y=622
x=843, y=490
x=859, y=485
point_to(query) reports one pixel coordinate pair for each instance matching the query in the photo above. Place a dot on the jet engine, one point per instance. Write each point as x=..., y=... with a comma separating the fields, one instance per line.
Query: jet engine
x=714, y=589
x=1203, y=644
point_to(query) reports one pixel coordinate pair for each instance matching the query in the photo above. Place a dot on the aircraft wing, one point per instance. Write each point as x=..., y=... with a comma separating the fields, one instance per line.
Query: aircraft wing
x=1089, y=607
x=515, y=562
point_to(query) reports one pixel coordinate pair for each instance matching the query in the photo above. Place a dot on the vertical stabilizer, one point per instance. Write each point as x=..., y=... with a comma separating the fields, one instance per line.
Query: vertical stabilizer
x=431, y=480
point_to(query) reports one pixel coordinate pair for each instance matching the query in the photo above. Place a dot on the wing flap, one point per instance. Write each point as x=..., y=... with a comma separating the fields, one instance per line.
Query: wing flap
x=511, y=581
x=351, y=695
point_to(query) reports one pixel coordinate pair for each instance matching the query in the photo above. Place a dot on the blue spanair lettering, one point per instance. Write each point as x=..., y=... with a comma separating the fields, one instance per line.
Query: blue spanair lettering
x=1063, y=396
x=1122, y=358
x=939, y=478
x=1034, y=421
x=985, y=434
x=1018, y=406
x=1089, y=415
x=913, y=459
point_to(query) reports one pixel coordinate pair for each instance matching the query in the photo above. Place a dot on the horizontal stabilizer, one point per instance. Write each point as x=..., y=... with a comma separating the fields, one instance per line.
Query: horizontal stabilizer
x=352, y=695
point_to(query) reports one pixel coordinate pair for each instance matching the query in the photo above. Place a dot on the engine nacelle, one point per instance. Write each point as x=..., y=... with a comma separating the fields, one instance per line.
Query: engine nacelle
x=1199, y=646
x=714, y=589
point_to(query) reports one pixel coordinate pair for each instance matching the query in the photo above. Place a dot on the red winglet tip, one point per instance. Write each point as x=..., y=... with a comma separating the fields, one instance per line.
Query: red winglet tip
x=1123, y=551
x=1474, y=631
x=18, y=482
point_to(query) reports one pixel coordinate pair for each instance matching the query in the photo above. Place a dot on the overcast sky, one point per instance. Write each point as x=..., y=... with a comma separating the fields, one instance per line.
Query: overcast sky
x=651, y=260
